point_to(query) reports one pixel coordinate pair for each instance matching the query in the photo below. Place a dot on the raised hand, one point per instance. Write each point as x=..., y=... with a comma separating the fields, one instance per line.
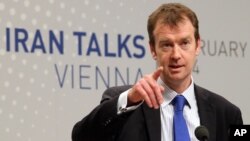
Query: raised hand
x=147, y=89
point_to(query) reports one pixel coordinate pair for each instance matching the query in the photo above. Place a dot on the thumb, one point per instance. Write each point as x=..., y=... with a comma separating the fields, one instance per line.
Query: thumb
x=157, y=73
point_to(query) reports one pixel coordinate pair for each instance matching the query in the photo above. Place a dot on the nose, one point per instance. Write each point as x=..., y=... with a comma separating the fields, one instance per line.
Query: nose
x=176, y=54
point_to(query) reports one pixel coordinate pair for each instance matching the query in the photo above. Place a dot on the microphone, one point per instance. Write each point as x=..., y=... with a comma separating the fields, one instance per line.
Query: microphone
x=201, y=133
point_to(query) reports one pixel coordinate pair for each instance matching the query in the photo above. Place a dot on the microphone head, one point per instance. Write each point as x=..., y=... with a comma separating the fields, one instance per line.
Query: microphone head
x=201, y=133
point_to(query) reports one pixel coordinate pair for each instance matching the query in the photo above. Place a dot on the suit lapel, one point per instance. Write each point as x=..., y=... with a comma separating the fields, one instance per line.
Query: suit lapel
x=206, y=111
x=153, y=123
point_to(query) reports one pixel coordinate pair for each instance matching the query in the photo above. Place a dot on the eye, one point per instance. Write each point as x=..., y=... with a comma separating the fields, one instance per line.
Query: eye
x=185, y=43
x=167, y=45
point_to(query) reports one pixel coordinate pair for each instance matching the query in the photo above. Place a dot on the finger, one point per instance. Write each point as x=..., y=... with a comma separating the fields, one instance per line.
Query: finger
x=151, y=94
x=157, y=93
x=145, y=97
x=138, y=93
x=157, y=73
x=156, y=88
x=160, y=99
x=162, y=89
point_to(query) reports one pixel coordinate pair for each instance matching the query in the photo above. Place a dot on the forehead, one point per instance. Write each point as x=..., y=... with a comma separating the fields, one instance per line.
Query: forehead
x=183, y=28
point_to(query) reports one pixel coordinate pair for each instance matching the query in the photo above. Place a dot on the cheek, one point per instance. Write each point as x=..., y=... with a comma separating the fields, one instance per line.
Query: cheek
x=191, y=61
x=163, y=59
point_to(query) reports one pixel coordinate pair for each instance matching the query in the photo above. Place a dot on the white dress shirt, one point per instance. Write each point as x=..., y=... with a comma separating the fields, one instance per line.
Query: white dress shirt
x=190, y=111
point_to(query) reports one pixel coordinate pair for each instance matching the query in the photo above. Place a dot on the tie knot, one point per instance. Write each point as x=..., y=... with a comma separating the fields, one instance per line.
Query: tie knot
x=179, y=102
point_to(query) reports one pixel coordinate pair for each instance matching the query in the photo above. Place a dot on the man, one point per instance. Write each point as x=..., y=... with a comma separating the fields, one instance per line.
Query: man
x=145, y=111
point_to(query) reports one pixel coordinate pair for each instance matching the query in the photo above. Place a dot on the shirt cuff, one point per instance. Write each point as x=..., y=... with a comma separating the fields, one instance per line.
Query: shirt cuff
x=122, y=103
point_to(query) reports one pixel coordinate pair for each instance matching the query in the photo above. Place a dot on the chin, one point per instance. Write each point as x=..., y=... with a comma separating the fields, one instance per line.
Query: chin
x=176, y=77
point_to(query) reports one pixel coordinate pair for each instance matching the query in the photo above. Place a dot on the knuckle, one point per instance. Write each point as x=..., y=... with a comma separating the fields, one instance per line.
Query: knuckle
x=154, y=86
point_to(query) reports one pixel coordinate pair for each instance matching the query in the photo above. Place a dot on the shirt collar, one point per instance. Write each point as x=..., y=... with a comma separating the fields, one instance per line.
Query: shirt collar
x=170, y=94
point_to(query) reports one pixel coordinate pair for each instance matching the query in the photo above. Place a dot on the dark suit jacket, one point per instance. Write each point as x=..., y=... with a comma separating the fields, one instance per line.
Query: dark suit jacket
x=144, y=124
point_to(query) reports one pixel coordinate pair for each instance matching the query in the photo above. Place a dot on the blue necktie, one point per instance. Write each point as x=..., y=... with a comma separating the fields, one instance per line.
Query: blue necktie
x=180, y=126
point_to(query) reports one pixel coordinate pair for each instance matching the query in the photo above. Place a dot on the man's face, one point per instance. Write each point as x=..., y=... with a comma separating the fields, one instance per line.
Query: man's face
x=175, y=49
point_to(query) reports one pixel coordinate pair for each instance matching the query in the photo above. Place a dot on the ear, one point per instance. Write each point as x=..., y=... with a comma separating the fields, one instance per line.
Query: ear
x=198, y=47
x=152, y=50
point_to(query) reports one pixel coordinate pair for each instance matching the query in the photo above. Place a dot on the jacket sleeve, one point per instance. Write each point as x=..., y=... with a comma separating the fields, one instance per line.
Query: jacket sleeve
x=102, y=123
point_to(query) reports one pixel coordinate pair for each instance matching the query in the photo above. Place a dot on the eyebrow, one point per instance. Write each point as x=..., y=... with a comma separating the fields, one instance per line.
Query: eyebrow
x=165, y=39
x=187, y=38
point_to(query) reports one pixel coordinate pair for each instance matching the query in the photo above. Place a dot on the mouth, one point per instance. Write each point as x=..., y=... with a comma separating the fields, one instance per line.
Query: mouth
x=175, y=67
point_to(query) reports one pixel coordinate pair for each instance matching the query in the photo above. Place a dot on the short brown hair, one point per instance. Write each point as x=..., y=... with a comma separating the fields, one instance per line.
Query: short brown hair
x=171, y=14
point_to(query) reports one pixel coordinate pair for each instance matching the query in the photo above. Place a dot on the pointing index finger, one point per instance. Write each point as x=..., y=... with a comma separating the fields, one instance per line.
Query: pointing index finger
x=157, y=73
